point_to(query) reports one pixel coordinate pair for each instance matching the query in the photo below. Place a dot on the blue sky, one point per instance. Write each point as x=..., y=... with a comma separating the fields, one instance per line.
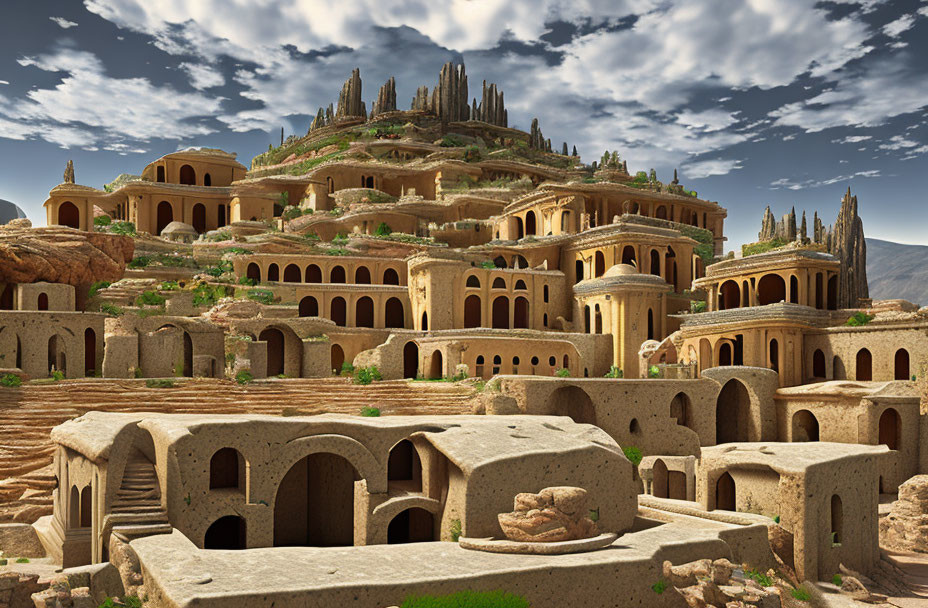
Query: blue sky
x=760, y=102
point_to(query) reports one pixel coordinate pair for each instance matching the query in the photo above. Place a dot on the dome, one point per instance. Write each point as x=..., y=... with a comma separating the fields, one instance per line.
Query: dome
x=9, y=211
x=620, y=270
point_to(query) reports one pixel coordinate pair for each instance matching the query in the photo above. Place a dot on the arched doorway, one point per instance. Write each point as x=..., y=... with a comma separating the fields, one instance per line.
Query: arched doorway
x=732, y=413
x=337, y=358
x=793, y=289
x=771, y=289
x=864, y=371
x=725, y=353
x=56, y=358
x=415, y=525
x=6, y=297
x=273, y=272
x=390, y=277
x=188, y=176
x=425, y=321
x=68, y=215
x=404, y=469
x=659, y=479
x=520, y=313
x=774, y=355
x=628, y=256
x=833, y=293
x=901, y=365
x=276, y=353
x=253, y=272
x=573, y=402
x=188, y=356
x=729, y=295
x=472, y=311
x=655, y=263
x=364, y=312
x=501, y=313
x=314, y=505
x=199, y=218
x=530, y=223
x=725, y=493
x=337, y=275
x=435, y=366
x=309, y=307
x=890, y=429
x=818, y=364
x=362, y=276
x=520, y=231
x=226, y=469
x=410, y=360
x=165, y=215
x=339, y=311
x=42, y=301
x=805, y=426
x=86, y=507
x=600, y=263
x=90, y=352
x=313, y=274
x=207, y=180
x=292, y=274
x=394, y=315
x=837, y=520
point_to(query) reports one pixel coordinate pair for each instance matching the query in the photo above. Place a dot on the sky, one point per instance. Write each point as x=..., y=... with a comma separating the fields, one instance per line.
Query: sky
x=756, y=102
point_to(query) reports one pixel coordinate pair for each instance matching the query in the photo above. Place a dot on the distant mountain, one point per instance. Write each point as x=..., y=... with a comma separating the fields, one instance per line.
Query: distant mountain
x=897, y=271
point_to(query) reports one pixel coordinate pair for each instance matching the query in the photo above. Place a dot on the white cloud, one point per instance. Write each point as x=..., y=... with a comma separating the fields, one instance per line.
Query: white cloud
x=923, y=11
x=87, y=105
x=63, y=23
x=791, y=184
x=707, y=168
x=898, y=142
x=900, y=25
x=4, y=82
x=910, y=154
x=203, y=76
x=707, y=120
x=852, y=139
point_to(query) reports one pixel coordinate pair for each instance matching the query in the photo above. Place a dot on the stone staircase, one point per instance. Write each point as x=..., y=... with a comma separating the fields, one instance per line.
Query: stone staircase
x=28, y=413
x=137, y=510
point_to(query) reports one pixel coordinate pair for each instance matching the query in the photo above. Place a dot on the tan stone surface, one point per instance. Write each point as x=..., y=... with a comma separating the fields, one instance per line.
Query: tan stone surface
x=552, y=515
x=905, y=528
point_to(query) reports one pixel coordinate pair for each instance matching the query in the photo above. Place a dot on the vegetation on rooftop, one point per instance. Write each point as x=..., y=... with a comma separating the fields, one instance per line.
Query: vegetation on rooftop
x=859, y=319
x=467, y=599
x=762, y=246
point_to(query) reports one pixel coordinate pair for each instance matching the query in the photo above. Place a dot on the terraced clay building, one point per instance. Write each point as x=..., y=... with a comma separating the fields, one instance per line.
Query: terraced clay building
x=438, y=243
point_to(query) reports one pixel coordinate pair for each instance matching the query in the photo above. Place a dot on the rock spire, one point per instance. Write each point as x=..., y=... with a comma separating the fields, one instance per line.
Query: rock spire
x=386, y=98
x=848, y=245
x=69, y=173
x=349, y=100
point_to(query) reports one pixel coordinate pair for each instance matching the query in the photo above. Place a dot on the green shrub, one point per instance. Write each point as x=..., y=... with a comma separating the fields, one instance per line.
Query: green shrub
x=22, y=560
x=110, y=309
x=56, y=375
x=370, y=412
x=262, y=296
x=697, y=306
x=207, y=295
x=451, y=141
x=633, y=454
x=11, y=380
x=337, y=251
x=150, y=298
x=123, y=228
x=219, y=269
x=467, y=599
x=472, y=154
x=836, y=580
x=140, y=261
x=169, y=286
x=130, y=601
x=96, y=287
x=776, y=519
x=614, y=372
x=291, y=213
x=159, y=383
x=347, y=369
x=366, y=375
x=654, y=372
x=102, y=220
x=340, y=239
x=801, y=594
x=488, y=265
x=659, y=587
x=762, y=246
x=247, y=281
x=383, y=230
x=562, y=373
x=759, y=577
x=244, y=377
x=455, y=529
x=859, y=318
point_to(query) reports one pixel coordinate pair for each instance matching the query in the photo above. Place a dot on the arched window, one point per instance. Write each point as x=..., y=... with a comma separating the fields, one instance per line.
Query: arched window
x=628, y=256
x=725, y=353
x=199, y=218
x=805, y=426
x=774, y=355
x=362, y=276
x=165, y=215
x=253, y=272
x=42, y=303
x=207, y=180
x=520, y=285
x=501, y=313
x=273, y=272
x=864, y=370
x=394, y=315
x=472, y=311
x=578, y=270
x=404, y=466
x=337, y=275
x=68, y=215
x=292, y=274
x=771, y=289
x=794, y=289
x=530, y=223
x=226, y=533
x=599, y=320
x=472, y=281
x=818, y=364
x=890, y=430
x=837, y=520
x=679, y=408
x=520, y=231
x=499, y=283
x=86, y=507
x=425, y=321
x=390, y=277
x=188, y=176
x=655, y=263
x=600, y=263
x=364, y=312
x=520, y=313
x=586, y=318
x=338, y=311
x=729, y=295
x=725, y=493
x=545, y=294
x=313, y=274
x=499, y=261
x=226, y=469
x=309, y=307
x=650, y=324
x=90, y=351
x=661, y=213
x=159, y=174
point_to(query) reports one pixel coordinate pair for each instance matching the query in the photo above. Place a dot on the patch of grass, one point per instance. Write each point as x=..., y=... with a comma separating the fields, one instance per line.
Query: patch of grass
x=759, y=577
x=654, y=372
x=96, y=287
x=223, y=267
x=614, y=372
x=22, y=560
x=237, y=251
x=207, y=295
x=110, y=309
x=247, y=281
x=370, y=412
x=11, y=380
x=337, y=251
x=659, y=587
x=488, y=265
x=139, y=261
x=159, y=383
x=262, y=296
x=467, y=599
x=347, y=369
x=859, y=319
x=762, y=246
x=102, y=220
x=366, y=375
x=452, y=141
x=130, y=601
x=455, y=529
x=383, y=230
x=123, y=228
x=56, y=375
x=562, y=373
x=244, y=377
x=169, y=286
x=633, y=454
x=150, y=298
x=836, y=580
x=799, y=593
x=697, y=306
x=219, y=236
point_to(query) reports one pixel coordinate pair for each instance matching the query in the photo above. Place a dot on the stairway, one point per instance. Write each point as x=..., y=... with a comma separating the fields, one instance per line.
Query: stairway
x=137, y=510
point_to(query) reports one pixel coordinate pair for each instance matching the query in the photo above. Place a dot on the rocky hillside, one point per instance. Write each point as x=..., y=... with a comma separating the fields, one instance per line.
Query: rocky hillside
x=897, y=271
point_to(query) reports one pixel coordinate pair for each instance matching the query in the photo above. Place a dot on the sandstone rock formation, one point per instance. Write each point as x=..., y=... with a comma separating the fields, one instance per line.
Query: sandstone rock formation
x=536, y=139
x=421, y=100
x=906, y=526
x=62, y=255
x=848, y=245
x=386, y=99
x=553, y=515
x=349, y=100
x=69, y=173
x=449, y=98
x=492, y=108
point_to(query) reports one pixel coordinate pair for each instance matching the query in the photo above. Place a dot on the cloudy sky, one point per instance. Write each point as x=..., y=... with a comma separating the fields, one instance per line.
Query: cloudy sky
x=757, y=102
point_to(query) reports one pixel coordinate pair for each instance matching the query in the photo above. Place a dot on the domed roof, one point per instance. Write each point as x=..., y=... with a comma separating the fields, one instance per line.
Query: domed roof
x=9, y=211
x=620, y=270
x=179, y=228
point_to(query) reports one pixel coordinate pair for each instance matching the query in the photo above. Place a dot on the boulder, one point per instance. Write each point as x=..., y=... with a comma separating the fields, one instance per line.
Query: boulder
x=553, y=515
x=57, y=254
x=906, y=526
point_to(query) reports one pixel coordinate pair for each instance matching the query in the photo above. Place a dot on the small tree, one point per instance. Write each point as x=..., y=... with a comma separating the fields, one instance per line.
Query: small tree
x=383, y=230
